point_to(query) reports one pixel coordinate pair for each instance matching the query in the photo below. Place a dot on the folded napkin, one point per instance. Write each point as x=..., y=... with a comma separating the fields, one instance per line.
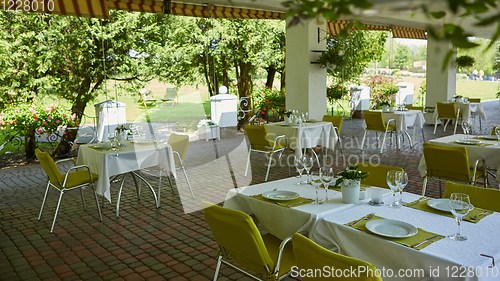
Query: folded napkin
x=408, y=241
x=288, y=203
x=422, y=205
x=477, y=144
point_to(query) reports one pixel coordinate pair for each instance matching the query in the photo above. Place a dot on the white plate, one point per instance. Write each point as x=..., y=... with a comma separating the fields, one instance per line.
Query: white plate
x=103, y=145
x=468, y=141
x=281, y=195
x=442, y=205
x=142, y=141
x=490, y=137
x=391, y=228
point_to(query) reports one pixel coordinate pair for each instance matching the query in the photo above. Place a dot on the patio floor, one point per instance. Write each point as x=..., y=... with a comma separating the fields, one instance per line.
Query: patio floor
x=145, y=243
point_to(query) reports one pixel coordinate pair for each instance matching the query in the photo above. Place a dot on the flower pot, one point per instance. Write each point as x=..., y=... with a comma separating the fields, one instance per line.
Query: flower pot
x=350, y=191
x=120, y=138
x=288, y=120
x=384, y=108
x=209, y=132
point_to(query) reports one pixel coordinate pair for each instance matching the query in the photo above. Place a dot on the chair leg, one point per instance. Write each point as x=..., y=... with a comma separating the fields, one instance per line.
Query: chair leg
x=480, y=128
x=44, y=198
x=189, y=185
x=219, y=261
x=171, y=184
x=363, y=142
x=120, y=196
x=446, y=125
x=423, y=136
x=57, y=211
x=248, y=161
x=383, y=143
x=159, y=191
x=269, y=165
x=455, y=130
x=83, y=199
x=424, y=186
x=435, y=125
x=97, y=203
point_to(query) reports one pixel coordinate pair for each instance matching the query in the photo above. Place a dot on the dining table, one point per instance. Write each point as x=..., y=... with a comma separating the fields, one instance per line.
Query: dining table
x=306, y=135
x=466, y=108
x=484, y=147
x=107, y=162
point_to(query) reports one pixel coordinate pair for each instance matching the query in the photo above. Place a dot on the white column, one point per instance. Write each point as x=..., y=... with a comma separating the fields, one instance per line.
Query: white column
x=305, y=82
x=441, y=85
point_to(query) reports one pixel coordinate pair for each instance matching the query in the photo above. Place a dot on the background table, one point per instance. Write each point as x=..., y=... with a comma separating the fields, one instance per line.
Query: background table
x=482, y=239
x=130, y=158
x=466, y=109
x=307, y=136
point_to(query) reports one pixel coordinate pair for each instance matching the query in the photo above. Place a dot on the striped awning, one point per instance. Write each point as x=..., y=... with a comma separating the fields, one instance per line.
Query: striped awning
x=78, y=8
x=397, y=31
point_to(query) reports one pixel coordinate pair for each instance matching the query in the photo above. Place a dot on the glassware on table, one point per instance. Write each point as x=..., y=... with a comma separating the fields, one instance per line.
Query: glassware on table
x=459, y=207
x=299, y=165
x=316, y=182
x=393, y=179
x=326, y=175
x=308, y=164
x=497, y=132
x=403, y=181
x=467, y=126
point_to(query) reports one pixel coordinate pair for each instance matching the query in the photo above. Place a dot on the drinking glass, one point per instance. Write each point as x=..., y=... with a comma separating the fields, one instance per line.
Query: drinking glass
x=299, y=165
x=459, y=207
x=308, y=164
x=403, y=181
x=326, y=175
x=393, y=179
x=316, y=182
x=497, y=132
x=467, y=127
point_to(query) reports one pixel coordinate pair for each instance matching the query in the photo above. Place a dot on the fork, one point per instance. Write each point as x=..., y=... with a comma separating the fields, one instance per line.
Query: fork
x=477, y=216
x=369, y=217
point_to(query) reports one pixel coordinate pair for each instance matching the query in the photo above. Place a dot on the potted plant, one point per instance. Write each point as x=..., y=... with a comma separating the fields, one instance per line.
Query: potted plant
x=287, y=114
x=208, y=130
x=458, y=98
x=349, y=181
x=385, y=105
x=120, y=134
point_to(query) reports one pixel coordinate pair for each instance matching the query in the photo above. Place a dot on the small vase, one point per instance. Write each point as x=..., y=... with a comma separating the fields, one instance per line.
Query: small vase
x=350, y=191
x=288, y=120
x=384, y=108
x=120, y=138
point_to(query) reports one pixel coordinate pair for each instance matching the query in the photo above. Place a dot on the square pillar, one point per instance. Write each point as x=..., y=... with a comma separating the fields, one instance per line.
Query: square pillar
x=441, y=85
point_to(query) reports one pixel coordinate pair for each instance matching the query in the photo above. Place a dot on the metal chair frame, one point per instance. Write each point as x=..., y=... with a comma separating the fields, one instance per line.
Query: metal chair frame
x=385, y=134
x=271, y=152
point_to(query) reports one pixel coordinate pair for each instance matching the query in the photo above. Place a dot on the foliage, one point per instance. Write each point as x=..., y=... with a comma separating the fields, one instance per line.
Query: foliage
x=288, y=113
x=26, y=117
x=343, y=60
x=351, y=173
x=464, y=61
x=383, y=88
x=334, y=93
x=206, y=122
x=402, y=57
x=269, y=100
x=121, y=128
x=384, y=102
x=423, y=88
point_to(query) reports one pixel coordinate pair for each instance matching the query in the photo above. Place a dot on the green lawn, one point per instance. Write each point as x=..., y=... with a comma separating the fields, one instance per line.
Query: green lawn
x=485, y=90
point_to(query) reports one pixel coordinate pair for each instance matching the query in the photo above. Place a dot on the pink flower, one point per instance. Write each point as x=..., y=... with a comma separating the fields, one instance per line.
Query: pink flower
x=14, y=122
x=39, y=131
x=70, y=119
x=2, y=122
x=64, y=116
x=57, y=121
x=64, y=133
x=47, y=134
x=74, y=115
x=32, y=111
x=58, y=99
x=50, y=117
x=16, y=111
x=47, y=110
x=36, y=118
x=45, y=122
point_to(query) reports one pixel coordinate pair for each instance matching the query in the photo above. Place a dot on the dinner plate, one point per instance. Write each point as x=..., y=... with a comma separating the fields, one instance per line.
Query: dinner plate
x=281, y=195
x=490, y=137
x=391, y=228
x=442, y=205
x=468, y=141
x=142, y=141
x=103, y=145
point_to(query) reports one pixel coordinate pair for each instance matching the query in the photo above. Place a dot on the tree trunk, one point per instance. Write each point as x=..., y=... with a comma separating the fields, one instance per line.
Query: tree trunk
x=207, y=78
x=30, y=145
x=283, y=80
x=225, y=78
x=244, y=87
x=271, y=72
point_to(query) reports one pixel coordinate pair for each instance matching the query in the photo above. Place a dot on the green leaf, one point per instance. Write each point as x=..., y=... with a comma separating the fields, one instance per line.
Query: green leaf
x=437, y=15
x=489, y=20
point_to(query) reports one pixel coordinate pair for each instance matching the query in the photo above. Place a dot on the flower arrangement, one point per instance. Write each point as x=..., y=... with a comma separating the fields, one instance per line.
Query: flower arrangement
x=385, y=102
x=206, y=122
x=32, y=116
x=385, y=92
x=351, y=173
x=457, y=97
x=336, y=92
x=288, y=113
x=269, y=100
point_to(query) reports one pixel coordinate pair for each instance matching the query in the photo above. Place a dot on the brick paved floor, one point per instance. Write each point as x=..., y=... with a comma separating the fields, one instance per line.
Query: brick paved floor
x=145, y=243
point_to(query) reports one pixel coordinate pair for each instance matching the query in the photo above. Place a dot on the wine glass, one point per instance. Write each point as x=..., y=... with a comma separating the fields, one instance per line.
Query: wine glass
x=497, y=132
x=466, y=126
x=393, y=178
x=308, y=164
x=459, y=207
x=326, y=175
x=299, y=165
x=316, y=182
x=403, y=181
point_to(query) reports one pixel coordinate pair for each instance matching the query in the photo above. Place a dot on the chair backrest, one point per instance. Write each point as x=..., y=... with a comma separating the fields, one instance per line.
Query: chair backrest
x=180, y=144
x=238, y=235
x=378, y=174
x=493, y=131
x=336, y=120
x=411, y=107
x=474, y=100
x=311, y=256
x=447, y=110
x=486, y=198
x=145, y=92
x=257, y=136
x=49, y=167
x=374, y=120
x=447, y=162
x=170, y=93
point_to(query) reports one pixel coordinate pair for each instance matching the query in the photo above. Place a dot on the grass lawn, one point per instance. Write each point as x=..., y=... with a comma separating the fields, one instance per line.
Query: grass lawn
x=486, y=90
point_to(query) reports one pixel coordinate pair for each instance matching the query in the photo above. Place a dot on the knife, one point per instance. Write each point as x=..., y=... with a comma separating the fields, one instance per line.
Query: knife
x=299, y=203
x=418, y=201
x=425, y=241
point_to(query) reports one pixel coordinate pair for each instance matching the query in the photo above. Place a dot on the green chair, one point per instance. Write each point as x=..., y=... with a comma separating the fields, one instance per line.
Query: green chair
x=239, y=239
x=72, y=179
x=447, y=110
x=259, y=142
x=337, y=124
x=485, y=198
x=171, y=95
x=378, y=174
x=311, y=256
x=375, y=122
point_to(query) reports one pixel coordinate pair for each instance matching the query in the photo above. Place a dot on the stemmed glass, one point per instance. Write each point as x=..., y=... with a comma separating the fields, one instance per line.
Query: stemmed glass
x=497, y=132
x=308, y=164
x=299, y=165
x=403, y=181
x=393, y=179
x=459, y=207
x=326, y=175
x=316, y=182
x=467, y=127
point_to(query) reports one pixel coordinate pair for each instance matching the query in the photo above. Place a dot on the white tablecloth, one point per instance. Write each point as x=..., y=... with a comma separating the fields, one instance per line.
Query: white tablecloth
x=384, y=254
x=282, y=221
x=491, y=154
x=466, y=109
x=306, y=136
x=130, y=158
x=404, y=119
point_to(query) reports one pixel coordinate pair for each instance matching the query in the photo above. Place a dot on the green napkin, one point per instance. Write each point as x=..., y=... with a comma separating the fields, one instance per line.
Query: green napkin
x=288, y=203
x=482, y=138
x=422, y=205
x=408, y=241
x=478, y=144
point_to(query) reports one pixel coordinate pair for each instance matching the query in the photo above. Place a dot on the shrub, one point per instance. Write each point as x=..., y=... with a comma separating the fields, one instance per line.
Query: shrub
x=337, y=92
x=269, y=100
